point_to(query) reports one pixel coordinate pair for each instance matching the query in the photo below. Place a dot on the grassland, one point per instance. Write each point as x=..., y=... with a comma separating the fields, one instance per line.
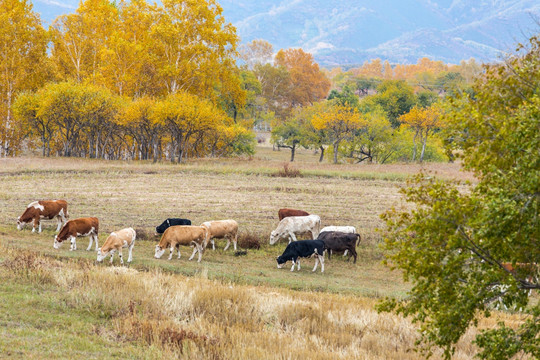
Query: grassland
x=225, y=307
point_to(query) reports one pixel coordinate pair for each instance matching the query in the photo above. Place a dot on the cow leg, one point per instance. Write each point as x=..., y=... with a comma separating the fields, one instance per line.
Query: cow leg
x=292, y=268
x=292, y=237
x=235, y=240
x=213, y=244
x=298, y=264
x=170, y=255
x=59, y=221
x=321, y=259
x=316, y=263
x=39, y=226
x=195, y=249
x=91, y=237
x=178, y=249
x=345, y=253
x=120, y=256
x=73, y=243
x=130, y=254
x=200, y=250
x=112, y=256
x=228, y=243
x=34, y=224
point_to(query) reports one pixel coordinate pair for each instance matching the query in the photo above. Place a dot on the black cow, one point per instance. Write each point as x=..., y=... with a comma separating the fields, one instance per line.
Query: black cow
x=302, y=248
x=171, y=222
x=339, y=241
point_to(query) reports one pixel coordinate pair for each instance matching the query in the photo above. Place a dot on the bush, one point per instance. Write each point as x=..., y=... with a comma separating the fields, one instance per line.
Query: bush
x=288, y=171
x=249, y=241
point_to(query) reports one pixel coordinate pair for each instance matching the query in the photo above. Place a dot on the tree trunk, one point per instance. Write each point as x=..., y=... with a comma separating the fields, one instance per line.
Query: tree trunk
x=293, y=149
x=322, y=153
x=336, y=147
x=423, y=147
x=414, y=146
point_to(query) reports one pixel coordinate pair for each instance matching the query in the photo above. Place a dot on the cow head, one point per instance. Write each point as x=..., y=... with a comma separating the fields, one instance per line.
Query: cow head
x=280, y=262
x=101, y=255
x=20, y=224
x=274, y=237
x=159, y=252
x=57, y=242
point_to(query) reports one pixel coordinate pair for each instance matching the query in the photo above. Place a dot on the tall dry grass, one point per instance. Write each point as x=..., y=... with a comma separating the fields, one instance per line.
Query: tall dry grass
x=197, y=318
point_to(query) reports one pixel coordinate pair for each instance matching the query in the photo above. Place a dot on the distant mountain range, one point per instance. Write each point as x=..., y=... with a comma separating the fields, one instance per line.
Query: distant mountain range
x=346, y=32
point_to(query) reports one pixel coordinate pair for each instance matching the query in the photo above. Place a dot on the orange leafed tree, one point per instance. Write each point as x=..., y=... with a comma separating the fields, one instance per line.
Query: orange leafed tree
x=309, y=84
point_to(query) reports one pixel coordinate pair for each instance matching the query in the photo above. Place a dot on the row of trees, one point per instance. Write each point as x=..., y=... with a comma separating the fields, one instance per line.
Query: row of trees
x=109, y=57
x=72, y=119
x=389, y=125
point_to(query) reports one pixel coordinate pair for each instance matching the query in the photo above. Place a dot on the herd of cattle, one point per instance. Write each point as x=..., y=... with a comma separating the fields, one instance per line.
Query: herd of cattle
x=176, y=232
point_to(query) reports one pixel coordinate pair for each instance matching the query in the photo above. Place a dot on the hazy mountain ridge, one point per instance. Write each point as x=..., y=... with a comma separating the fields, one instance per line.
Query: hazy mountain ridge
x=353, y=31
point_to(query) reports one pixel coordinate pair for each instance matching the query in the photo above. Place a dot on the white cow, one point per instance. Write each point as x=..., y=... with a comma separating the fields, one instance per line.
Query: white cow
x=343, y=229
x=292, y=225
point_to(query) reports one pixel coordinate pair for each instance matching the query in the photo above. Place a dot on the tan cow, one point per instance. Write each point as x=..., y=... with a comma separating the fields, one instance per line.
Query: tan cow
x=88, y=226
x=182, y=235
x=44, y=209
x=124, y=238
x=221, y=229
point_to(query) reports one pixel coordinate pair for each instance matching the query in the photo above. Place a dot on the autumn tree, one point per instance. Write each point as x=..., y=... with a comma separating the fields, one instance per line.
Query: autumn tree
x=376, y=141
x=257, y=52
x=23, y=63
x=79, y=38
x=453, y=244
x=276, y=86
x=309, y=84
x=422, y=121
x=339, y=121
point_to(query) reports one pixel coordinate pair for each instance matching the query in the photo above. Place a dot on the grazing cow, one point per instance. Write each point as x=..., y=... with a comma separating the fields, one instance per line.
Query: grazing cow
x=88, y=226
x=45, y=209
x=221, y=229
x=302, y=248
x=283, y=213
x=182, y=235
x=171, y=222
x=344, y=229
x=339, y=241
x=292, y=225
x=124, y=238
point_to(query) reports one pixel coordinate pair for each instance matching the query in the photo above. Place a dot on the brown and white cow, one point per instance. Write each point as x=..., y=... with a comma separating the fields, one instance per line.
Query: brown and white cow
x=124, y=238
x=283, y=213
x=43, y=209
x=88, y=226
x=221, y=229
x=182, y=235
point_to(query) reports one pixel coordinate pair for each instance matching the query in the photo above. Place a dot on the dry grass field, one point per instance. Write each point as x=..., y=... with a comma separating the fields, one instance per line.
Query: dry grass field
x=226, y=307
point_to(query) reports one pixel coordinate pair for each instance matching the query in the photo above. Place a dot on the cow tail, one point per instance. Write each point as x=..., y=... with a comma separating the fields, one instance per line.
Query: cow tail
x=358, y=240
x=318, y=228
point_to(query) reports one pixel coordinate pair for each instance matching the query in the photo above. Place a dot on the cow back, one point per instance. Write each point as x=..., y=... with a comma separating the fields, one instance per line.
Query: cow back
x=183, y=235
x=283, y=213
x=78, y=226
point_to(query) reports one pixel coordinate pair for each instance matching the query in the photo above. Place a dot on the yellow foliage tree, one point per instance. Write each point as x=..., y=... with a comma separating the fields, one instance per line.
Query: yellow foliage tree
x=23, y=63
x=339, y=122
x=79, y=38
x=422, y=121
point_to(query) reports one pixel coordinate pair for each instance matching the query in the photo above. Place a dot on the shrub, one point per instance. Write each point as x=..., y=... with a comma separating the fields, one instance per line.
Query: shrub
x=288, y=171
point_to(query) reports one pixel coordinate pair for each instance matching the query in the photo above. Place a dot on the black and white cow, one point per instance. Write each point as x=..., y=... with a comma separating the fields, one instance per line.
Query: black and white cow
x=304, y=249
x=339, y=241
x=171, y=222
